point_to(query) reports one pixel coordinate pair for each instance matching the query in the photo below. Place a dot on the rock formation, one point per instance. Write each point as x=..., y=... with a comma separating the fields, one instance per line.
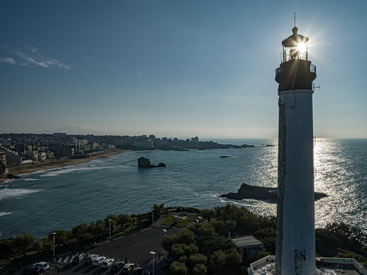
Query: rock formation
x=260, y=193
x=145, y=163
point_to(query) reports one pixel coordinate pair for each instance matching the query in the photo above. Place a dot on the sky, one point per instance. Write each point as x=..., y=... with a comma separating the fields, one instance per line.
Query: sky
x=176, y=68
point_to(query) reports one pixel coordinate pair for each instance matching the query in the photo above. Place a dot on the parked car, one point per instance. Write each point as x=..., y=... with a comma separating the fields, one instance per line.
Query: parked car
x=97, y=261
x=91, y=258
x=127, y=268
x=32, y=270
x=78, y=258
x=106, y=264
x=117, y=266
x=137, y=271
x=42, y=265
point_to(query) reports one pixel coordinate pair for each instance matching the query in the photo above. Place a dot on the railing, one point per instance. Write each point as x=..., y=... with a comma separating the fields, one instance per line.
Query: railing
x=312, y=68
x=278, y=71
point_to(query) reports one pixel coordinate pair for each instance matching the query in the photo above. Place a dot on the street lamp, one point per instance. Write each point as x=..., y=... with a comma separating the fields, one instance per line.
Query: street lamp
x=109, y=228
x=152, y=215
x=153, y=253
x=53, y=238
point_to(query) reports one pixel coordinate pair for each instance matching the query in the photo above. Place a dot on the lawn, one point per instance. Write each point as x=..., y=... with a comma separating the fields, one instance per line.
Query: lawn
x=170, y=221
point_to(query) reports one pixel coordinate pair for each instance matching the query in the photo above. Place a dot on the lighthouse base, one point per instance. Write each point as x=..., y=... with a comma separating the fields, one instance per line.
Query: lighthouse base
x=325, y=266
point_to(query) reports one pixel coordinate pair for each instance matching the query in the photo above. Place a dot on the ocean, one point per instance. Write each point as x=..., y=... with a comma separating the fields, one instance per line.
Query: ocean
x=62, y=198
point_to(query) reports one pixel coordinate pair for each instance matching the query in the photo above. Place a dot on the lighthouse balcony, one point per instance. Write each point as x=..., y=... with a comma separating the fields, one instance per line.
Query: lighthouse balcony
x=313, y=68
x=295, y=74
x=280, y=70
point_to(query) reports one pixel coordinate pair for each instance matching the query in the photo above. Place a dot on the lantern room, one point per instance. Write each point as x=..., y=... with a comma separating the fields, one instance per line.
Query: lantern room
x=295, y=71
x=295, y=46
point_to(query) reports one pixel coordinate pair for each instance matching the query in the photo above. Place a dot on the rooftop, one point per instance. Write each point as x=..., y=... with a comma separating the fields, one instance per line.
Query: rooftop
x=246, y=241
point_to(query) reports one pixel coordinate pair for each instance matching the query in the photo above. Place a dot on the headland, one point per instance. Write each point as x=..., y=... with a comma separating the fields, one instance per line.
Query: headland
x=260, y=193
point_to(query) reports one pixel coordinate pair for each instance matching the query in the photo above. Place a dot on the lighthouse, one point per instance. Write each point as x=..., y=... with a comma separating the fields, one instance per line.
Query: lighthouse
x=295, y=244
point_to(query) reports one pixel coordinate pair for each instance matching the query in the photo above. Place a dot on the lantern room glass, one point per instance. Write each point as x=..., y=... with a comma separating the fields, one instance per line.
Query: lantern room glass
x=300, y=51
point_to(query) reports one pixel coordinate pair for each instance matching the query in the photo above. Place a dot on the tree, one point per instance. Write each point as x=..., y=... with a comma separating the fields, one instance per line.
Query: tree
x=199, y=269
x=219, y=226
x=96, y=229
x=6, y=246
x=46, y=243
x=22, y=243
x=178, y=268
x=113, y=222
x=168, y=242
x=349, y=236
x=2, y=168
x=177, y=250
x=180, y=249
x=267, y=236
x=229, y=226
x=61, y=236
x=224, y=227
x=80, y=231
x=206, y=231
x=124, y=218
x=207, y=214
x=357, y=257
x=196, y=259
x=158, y=210
x=233, y=260
x=187, y=237
x=190, y=249
x=217, y=262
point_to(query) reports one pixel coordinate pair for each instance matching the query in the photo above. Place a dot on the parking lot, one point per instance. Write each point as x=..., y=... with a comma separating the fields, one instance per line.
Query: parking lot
x=134, y=248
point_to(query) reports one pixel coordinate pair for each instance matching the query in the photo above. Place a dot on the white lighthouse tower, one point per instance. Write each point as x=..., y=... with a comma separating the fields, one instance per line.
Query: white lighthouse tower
x=295, y=247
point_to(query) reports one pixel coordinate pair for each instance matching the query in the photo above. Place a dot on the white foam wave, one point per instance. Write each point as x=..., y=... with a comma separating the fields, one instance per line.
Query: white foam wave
x=255, y=206
x=4, y=213
x=13, y=193
x=7, y=181
x=69, y=169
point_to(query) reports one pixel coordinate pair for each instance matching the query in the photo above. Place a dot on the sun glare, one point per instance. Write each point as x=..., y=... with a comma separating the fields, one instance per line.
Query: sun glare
x=302, y=48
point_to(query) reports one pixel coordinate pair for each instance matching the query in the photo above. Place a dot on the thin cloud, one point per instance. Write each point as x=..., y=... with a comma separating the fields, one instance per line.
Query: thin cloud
x=7, y=60
x=32, y=56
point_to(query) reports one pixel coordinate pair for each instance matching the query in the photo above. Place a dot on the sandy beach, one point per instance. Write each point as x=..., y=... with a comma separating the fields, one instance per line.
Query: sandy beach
x=30, y=168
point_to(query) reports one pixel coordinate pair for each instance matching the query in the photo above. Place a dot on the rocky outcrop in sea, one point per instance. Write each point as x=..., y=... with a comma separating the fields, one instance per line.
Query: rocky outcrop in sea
x=145, y=163
x=260, y=193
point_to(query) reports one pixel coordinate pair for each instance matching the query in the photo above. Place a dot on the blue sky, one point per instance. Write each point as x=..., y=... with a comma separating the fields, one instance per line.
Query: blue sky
x=175, y=68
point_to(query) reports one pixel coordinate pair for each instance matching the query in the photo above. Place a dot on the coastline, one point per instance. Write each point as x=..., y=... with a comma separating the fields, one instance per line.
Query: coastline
x=30, y=168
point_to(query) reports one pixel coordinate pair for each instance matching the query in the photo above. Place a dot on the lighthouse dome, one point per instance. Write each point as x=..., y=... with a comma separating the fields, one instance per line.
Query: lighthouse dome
x=295, y=39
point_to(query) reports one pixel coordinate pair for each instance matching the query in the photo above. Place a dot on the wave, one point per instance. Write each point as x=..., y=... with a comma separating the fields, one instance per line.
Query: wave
x=4, y=213
x=69, y=169
x=12, y=193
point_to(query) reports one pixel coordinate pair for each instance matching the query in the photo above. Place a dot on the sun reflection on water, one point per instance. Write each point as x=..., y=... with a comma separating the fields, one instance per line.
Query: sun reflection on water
x=338, y=174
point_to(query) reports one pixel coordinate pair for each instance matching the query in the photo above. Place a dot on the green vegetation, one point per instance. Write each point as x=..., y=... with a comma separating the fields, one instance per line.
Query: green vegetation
x=199, y=250
x=335, y=240
x=182, y=221
x=202, y=248
x=170, y=221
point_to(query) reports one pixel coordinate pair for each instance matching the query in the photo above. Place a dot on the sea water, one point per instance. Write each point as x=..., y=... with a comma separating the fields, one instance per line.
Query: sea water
x=62, y=198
